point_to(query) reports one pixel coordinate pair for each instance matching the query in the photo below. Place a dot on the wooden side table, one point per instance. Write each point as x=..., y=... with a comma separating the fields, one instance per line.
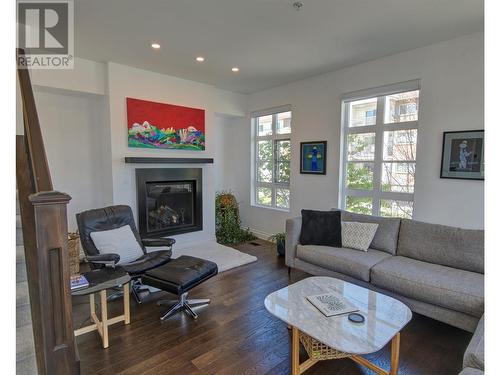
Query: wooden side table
x=99, y=281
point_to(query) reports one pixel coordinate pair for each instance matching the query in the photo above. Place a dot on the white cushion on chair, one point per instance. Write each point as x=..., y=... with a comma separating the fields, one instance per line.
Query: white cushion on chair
x=119, y=241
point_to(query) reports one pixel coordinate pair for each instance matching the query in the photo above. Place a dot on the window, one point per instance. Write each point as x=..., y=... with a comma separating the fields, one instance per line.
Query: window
x=361, y=112
x=402, y=168
x=271, y=177
x=371, y=113
x=379, y=151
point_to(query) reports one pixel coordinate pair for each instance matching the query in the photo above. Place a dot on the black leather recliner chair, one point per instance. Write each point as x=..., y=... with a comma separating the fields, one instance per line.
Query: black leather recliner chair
x=114, y=217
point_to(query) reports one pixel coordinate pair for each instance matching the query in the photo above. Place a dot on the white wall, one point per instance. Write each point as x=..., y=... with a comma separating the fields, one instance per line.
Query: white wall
x=73, y=129
x=451, y=98
x=228, y=151
x=87, y=76
x=222, y=126
x=123, y=82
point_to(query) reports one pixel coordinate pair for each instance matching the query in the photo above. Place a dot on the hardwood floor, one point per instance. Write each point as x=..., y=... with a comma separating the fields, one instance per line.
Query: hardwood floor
x=236, y=335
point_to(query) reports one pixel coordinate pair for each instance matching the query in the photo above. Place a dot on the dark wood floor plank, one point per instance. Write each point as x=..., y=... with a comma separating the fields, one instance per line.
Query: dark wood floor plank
x=236, y=335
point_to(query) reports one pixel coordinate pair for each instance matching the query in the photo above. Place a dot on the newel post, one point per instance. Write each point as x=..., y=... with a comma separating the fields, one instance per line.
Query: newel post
x=55, y=336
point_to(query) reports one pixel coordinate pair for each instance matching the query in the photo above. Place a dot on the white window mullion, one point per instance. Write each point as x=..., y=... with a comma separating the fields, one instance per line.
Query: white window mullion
x=255, y=171
x=263, y=138
x=275, y=156
x=396, y=196
x=358, y=193
x=282, y=137
x=379, y=147
x=401, y=126
x=274, y=163
x=264, y=184
x=344, y=147
x=361, y=129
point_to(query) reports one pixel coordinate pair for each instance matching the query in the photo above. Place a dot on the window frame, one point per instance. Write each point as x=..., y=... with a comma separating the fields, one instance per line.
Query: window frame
x=275, y=138
x=376, y=194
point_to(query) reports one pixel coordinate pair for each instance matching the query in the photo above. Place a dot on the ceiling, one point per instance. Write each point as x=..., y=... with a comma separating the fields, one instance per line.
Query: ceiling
x=268, y=40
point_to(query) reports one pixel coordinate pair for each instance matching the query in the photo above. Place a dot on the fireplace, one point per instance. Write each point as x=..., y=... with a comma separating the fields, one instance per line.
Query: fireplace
x=169, y=201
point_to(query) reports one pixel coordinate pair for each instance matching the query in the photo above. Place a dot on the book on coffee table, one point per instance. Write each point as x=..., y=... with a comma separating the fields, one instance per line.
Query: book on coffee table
x=331, y=304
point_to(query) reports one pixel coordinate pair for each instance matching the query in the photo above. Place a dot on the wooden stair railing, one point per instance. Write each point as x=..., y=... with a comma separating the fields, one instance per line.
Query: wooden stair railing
x=44, y=225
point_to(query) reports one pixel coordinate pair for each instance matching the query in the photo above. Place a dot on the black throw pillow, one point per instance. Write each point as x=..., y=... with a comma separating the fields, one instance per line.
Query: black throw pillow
x=321, y=228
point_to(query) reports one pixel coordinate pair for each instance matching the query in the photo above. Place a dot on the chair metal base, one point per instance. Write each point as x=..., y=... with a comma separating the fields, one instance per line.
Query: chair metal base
x=183, y=303
x=137, y=289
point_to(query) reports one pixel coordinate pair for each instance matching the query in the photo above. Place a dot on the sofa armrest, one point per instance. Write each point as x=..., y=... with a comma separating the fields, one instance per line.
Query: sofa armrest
x=293, y=228
x=474, y=354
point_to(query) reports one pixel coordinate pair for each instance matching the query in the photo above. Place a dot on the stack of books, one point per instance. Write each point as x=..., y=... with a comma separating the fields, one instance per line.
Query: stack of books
x=78, y=282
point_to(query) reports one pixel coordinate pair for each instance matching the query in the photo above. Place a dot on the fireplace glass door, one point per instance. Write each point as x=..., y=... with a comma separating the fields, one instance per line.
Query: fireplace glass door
x=170, y=205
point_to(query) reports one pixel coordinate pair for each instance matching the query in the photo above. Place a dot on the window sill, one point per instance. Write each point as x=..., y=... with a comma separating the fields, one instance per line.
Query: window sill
x=285, y=210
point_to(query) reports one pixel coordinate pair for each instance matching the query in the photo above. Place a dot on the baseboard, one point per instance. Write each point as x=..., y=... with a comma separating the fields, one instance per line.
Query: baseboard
x=260, y=234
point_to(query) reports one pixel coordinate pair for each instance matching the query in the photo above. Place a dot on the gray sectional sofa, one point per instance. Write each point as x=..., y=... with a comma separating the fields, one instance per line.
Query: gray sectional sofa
x=437, y=270
x=474, y=354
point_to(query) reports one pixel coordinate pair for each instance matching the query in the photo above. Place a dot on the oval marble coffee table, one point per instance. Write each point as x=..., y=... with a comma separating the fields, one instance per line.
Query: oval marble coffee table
x=337, y=337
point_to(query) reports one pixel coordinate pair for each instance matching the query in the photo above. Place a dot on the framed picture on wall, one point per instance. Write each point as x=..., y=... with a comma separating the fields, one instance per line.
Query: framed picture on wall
x=313, y=157
x=463, y=155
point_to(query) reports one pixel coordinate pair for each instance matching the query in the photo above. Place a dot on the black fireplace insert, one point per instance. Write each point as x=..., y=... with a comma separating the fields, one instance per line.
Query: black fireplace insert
x=169, y=201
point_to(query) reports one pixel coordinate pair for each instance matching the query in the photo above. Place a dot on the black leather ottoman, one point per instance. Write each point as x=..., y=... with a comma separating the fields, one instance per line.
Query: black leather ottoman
x=178, y=277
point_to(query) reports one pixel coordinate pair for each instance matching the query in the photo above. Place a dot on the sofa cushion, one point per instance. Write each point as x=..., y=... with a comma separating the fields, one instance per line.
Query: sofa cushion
x=474, y=354
x=321, y=228
x=358, y=236
x=350, y=262
x=432, y=283
x=440, y=244
x=386, y=237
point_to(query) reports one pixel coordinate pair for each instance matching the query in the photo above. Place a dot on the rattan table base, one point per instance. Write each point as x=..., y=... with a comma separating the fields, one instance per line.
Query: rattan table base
x=317, y=351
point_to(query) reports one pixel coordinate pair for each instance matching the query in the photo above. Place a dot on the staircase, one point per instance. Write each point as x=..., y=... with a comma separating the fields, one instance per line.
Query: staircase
x=43, y=242
x=25, y=348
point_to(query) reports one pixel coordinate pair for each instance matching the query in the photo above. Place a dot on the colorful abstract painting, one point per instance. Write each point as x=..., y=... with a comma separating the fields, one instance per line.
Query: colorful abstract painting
x=167, y=126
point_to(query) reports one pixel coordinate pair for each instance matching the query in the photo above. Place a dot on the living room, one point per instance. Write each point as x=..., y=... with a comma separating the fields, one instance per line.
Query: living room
x=262, y=157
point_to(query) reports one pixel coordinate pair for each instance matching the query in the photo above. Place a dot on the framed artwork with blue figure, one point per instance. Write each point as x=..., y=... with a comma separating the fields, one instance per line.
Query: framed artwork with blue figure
x=313, y=157
x=463, y=155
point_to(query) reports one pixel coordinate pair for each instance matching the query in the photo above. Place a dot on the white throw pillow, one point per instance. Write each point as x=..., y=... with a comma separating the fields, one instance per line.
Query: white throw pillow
x=119, y=241
x=358, y=236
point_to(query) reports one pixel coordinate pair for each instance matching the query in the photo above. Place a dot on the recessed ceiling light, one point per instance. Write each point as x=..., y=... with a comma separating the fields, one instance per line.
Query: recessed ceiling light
x=155, y=45
x=200, y=59
x=297, y=5
x=235, y=69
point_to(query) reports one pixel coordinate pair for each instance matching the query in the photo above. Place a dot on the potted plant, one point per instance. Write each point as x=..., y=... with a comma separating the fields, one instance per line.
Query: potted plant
x=278, y=240
x=227, y=220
